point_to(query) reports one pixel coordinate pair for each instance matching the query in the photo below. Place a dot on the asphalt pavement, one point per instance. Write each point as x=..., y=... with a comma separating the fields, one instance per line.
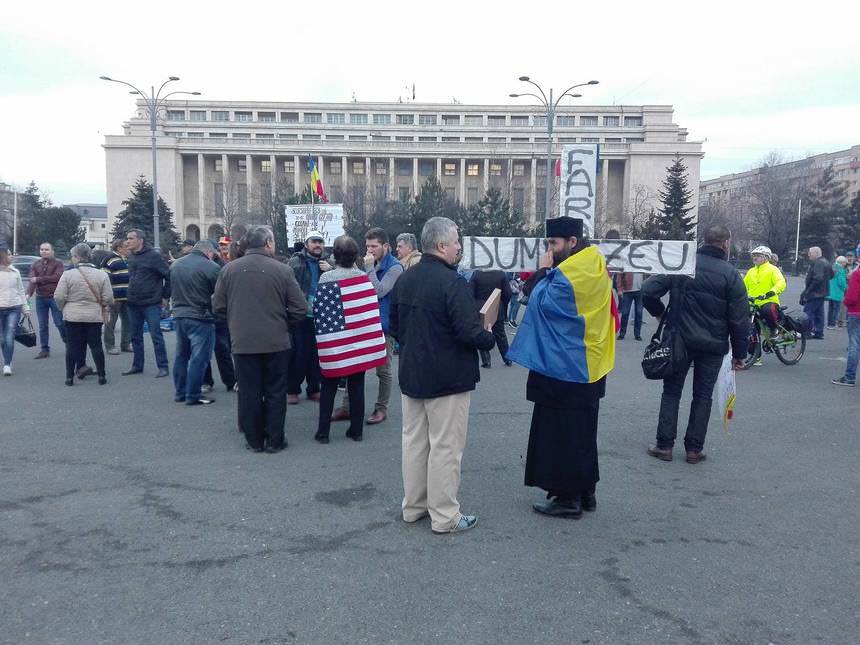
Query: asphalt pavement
x=126, y=518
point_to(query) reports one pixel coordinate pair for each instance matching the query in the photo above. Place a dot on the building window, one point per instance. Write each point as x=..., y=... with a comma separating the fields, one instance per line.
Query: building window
x=266, y=165
x=404, y=167
x=475, y=139
x=381, y=192
x=404, y=138
x=426, y=119
x=590, y=140
x=311, y=137
x=495, y=139
x=566, y=121
x=425, y=168
x=541, y=140
x=381, y=168
x=427, y=139
x=449, y=139
x=266, y=197
x=405, y=119
x=313, y=117
x=566, y=139
x=198, y=115
x=450, y=193
x=219, y=166
x=610, y=121
x=472, y=169
x=496, y=121
x=292, y=137
x=264, y=136
x=334, y=137
x=519, y=170
x=404, y=194
x=217, y=135
x=450, y=169
x=474, y=119
x=634, y=139
x=519, y=139
x=610, y=140
x=176, y=115
x=519, y=121
x=541, y=169
x=334, y=167
x=540, y=202
x=241, y=136
x=335, y=118
x=358, y=119
x=539, y=121
x=357, y=137
x=450, y=119
x=242, y=197
x=336, y=194
x=517, y=199
x=194, y=135
x=266, y=117
x=357, y=167
x=588, y=121
x=244, y=116
x=289, y=167
x=379, y=137
x=632, y=121
x=381, y=119
x=496, y=169
x=471, y=196
x=289, y=117
x=243, y=167
x=220, y=115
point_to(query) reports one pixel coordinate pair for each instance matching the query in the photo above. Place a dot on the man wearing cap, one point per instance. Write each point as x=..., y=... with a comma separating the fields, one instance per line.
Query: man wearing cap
x=186, y=246
x=224, y=248
x=567, y=341
x=307, y=265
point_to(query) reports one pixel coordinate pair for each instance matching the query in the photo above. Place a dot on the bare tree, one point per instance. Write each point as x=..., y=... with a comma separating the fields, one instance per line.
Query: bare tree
x=639, y=210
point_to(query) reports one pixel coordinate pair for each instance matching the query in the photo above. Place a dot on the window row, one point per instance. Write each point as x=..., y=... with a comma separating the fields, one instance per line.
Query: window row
x=404, y=167
x=244, y=136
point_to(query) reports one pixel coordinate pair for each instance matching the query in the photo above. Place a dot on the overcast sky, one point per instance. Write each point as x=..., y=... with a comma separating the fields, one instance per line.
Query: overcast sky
x=745, y=78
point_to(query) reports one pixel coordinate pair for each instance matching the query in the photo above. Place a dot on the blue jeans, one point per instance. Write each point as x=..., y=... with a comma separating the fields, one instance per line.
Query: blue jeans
x=833, y=307
x=9, y=317
x=152, y=315
x=853, y=324
x=45, y=306
x=633, y=298
x=815, y=310
x=195, y=340
x=514, y=307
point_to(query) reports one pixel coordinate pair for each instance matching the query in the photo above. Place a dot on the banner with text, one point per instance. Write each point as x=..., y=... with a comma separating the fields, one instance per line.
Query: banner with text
x=578, y=184
x=634, y=256
x=325, y=218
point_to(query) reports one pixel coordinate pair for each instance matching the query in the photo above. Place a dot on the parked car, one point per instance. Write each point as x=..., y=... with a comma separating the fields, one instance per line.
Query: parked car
x=23, y=263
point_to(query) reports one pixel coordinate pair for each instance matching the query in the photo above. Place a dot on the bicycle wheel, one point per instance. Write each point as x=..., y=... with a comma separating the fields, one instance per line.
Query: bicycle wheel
x=789, y=349
x=753, y=351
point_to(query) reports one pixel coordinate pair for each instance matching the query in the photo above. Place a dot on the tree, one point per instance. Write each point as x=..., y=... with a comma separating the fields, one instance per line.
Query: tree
x=849, y=227
x=823, y=212
x=675, y=224
x=493, y=216
x=771, y=199
x=137, y=213
x=59, y=225
x=639, y=212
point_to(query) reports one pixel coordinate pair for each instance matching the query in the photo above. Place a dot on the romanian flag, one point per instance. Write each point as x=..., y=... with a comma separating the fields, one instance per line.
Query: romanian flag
x=316, y=182
x=568, y=332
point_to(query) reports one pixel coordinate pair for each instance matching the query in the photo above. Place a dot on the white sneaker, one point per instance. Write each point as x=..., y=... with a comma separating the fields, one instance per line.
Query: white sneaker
x=7, y=370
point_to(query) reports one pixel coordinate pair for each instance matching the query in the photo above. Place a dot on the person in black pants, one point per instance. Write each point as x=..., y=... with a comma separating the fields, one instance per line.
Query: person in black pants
x=223, y=358
x=328, y=392
x=483, y=283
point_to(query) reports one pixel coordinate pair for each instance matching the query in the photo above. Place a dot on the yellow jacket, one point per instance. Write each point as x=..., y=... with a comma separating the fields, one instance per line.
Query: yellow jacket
x=763, y=278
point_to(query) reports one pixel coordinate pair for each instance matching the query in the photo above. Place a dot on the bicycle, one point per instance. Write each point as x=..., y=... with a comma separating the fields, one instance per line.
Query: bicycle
x=786, y=342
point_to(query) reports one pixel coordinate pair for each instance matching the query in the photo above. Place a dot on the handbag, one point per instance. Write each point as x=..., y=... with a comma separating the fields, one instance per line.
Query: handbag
x=24, y=333
x=97, y=296
x=666, y=354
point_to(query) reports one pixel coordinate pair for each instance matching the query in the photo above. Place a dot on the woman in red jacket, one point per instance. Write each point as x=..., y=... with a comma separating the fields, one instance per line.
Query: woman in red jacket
x=852, y=306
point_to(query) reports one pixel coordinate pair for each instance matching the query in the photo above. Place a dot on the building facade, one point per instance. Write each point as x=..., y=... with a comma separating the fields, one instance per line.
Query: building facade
x=8, y=197
x=94, y=221
x=218, y=159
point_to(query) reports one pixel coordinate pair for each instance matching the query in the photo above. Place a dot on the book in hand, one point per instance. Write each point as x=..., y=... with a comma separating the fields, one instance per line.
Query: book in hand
x=490, y=309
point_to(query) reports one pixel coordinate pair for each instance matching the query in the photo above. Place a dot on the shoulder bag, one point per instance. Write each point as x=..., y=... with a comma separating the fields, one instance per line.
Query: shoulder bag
x=666, y=353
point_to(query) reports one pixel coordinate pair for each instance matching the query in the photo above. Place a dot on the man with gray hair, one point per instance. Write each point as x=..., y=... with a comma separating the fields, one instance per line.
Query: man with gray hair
x=407, y=250
x=434, y=318
x=817, y=288
x=261, y=300
x=192, y=281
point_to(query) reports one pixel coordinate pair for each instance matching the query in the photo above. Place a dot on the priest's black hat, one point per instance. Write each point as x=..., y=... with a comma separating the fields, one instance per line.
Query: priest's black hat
x=564, y=227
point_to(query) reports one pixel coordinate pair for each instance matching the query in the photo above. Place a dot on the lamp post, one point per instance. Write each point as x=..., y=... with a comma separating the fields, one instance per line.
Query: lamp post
x=550, y=106
x=153, y=101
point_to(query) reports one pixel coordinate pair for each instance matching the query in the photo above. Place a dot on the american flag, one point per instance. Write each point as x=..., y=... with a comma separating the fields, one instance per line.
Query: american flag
x=348, y=330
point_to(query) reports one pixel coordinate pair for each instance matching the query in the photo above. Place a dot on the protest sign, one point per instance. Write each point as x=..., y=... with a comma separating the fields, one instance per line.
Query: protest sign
x=325, y=218
x=578, y=184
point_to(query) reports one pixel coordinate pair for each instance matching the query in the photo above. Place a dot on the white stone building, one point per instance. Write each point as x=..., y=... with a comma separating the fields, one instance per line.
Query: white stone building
x=235, y=154
x=94, y=221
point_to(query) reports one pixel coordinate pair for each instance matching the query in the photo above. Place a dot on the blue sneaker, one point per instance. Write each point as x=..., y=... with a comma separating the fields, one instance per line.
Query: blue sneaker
x=466, y=522
x=842, y=381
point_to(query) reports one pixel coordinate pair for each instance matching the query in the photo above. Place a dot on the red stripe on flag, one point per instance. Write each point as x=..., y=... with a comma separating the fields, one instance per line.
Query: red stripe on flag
x=342, y=356
x=363, y=323
x=357, y=295
x=352, y=311
x=352, y=369
x=350, y=339
x=351, y=282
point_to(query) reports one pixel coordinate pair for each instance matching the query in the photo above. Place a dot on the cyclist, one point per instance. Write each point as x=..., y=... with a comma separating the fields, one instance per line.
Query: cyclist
x=764, y=283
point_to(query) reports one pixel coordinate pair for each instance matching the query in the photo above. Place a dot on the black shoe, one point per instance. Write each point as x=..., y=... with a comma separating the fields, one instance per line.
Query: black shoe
x=252, y=449
x=321, y=438
x=488, y=365
x=274, y=449
x=619, y=337
x=201, y=401
x=102, y=380
x=508, y=362
x=132, y=371
x=70, y=381
x=588, y=501
x=638, y=337
x=559, y=508
x=84, y=372
x=162, y=373
x=355, y=436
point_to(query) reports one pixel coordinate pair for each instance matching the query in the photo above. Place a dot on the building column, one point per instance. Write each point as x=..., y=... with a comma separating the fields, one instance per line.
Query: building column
x=249, y=184
x=415, y=176
x=486, y=175
x=273, y=177
x=439, y=168
x=225, y=178
x=533, y=192
x=463, y=180
x=625, y=196
x=391, y=191
x=343, y=172
x=296, y=175
x=367, y=174
x=604, y=207
x=321, y=169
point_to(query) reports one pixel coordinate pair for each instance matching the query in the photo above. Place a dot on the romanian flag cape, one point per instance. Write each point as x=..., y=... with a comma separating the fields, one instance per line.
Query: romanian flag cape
x=568, y=332
x=316, y=182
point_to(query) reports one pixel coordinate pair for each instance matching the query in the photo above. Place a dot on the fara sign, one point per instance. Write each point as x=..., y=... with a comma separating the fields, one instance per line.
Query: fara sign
x=578, y=184
x=633, y=256
x=325, y=218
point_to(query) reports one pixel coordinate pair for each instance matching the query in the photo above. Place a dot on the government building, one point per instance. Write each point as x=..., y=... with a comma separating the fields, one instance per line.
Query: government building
x=237, y=158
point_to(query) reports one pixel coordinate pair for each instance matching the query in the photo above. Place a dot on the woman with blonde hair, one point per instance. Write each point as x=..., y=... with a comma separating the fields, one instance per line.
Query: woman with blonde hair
x=13, y=305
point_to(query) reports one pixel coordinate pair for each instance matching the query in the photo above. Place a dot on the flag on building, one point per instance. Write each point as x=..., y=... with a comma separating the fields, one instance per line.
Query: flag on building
x=316, y=182
x=347, y=324
x=568, y=332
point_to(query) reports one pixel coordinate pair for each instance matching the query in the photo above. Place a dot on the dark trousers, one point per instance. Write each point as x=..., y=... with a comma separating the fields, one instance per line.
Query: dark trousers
x=223, y=357
x=634, y=299
x=48, y=307
x=262, y=397
x=79, y=335
x=119, y=312
x=304, y=360
x=501, y=341
x=833, y=307
x=706, y=368
x=815, y=310
x=152, y=315
x=355, y=390
x=194, y=342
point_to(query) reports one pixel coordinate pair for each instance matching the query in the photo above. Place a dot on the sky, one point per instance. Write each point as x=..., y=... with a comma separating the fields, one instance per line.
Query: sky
x=745, y=78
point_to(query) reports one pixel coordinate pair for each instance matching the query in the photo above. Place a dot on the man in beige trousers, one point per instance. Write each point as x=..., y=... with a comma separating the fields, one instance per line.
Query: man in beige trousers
x=433, y=317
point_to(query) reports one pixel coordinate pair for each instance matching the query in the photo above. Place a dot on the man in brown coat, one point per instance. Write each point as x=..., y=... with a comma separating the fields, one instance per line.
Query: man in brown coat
x=260, y=299
x=44, y=276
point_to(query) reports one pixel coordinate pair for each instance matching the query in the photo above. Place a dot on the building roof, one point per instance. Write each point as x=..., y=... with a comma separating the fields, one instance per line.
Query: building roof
x=89, y=211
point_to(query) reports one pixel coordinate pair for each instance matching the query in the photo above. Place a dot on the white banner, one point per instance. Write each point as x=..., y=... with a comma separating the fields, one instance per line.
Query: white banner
x=325, y=218
x=634, y=256
x=578, y=184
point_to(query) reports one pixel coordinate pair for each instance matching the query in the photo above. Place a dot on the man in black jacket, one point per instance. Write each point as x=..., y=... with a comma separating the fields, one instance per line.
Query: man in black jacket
x=712, y=314
x=483, y=283
x=192, y=283
x=817, y=287
x=434, y=319
x=148, y=291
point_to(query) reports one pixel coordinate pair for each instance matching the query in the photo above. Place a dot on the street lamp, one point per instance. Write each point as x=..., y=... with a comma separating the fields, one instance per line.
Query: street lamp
x=550, y=107
x=153, y=101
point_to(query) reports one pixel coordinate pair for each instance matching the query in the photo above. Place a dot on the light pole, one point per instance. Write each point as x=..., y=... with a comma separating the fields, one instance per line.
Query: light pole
x=153, y=101
x=550, y=107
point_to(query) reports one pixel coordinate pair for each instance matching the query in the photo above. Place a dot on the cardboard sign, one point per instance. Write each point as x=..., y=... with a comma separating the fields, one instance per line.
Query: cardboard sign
x=325, y=218
x=578, y=184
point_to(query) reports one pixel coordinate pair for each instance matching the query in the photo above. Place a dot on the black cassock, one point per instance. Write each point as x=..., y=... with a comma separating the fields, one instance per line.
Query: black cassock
x=562, y=452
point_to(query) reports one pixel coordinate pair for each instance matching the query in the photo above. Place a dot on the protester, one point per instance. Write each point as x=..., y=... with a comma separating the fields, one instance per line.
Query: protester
x=13, y=305
x=712, y=315
x=148, y=291
x=192, y=283
x=817, y=287
x=116, y=267
x=836, y=290
x=764, y=281
x=223, y=356
x=516, y=285
x=407, y=250
x=482, y=284
x=307, y=265
x=433, y=316
x=348, y=334
x=629, y=286
x=383, y=271
x=224, y=248
x=84, y=295
x=185, y=247
x=852, y=305
x=44, y=275
x=567, y=341
x=261, y=300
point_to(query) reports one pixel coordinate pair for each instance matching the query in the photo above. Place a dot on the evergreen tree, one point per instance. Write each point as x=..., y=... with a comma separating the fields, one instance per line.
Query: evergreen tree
x=137, y=213
x=823, y=212
x=493, y=216
x=849, y=227
x=674, y=222
x=58, y=225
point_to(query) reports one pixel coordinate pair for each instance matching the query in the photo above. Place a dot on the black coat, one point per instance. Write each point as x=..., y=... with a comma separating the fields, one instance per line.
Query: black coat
x=192, y=283
x=714, y=309
x=148, y=277
x=817, y=280
x=484, y=282
x=433, y=316
x=298, y=263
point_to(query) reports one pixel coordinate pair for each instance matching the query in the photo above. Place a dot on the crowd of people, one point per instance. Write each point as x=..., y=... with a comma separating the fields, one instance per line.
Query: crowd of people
x=318, y=322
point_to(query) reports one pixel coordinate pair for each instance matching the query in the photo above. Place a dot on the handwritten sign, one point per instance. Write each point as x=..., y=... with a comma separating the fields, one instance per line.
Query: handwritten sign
x=634, y=256
x=578, y=184
x=325, y=218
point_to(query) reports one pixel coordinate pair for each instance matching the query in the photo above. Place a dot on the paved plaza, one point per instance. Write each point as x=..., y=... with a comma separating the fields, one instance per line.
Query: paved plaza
x=126, y=518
